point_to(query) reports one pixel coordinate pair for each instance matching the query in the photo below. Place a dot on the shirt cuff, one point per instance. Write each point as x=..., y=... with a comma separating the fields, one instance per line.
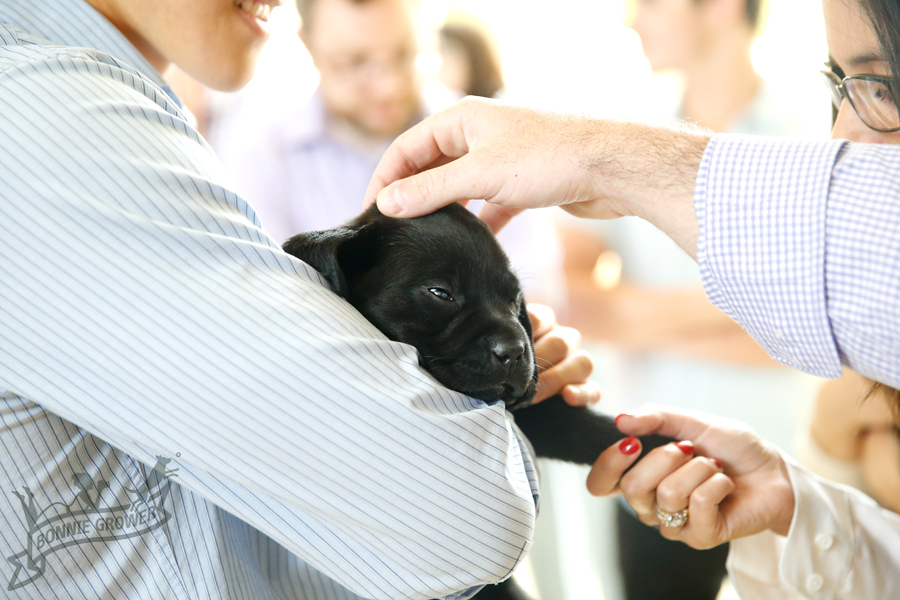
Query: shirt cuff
x=841, y=545
x=820, y=544
x=761, y=209
x=753, y=567
x=815, y=556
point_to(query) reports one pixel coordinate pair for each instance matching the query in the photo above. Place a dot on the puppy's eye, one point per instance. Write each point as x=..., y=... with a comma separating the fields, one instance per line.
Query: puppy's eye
x=441, y=293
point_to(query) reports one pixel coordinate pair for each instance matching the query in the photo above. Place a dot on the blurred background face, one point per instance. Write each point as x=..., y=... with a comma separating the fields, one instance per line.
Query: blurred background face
x=217, y=42
x=672, y=32
x=854, y=50
x=365, y=53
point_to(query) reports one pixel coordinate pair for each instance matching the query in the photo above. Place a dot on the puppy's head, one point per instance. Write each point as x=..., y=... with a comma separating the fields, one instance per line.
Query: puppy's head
x=440, y=283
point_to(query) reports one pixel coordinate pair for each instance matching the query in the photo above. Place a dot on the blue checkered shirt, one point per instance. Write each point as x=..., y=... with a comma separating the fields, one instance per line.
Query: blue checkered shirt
x=800, y=244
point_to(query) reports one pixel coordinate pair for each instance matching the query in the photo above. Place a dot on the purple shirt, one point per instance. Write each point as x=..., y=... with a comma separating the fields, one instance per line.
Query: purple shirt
x=800, y=244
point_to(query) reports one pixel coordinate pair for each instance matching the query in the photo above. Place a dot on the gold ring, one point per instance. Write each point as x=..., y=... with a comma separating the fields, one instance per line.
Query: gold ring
x=675, y=519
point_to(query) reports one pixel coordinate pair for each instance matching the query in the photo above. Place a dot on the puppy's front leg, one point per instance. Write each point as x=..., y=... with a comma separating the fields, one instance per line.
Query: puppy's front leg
x=573, y=433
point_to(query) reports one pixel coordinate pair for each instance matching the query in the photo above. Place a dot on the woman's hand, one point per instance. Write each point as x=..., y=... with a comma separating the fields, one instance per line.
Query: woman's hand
x=564, y=369
x=733, y=482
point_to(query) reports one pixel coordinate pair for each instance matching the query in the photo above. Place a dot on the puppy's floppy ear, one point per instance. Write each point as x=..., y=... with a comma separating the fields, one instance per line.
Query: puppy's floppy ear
x=326, y=252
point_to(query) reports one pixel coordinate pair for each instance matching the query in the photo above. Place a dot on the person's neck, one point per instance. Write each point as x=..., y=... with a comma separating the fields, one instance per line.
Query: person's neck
x=350, y=134
x=110, y=10
x=721, y=87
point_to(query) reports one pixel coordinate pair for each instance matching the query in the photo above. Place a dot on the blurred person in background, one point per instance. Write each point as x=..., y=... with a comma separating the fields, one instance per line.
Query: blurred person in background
x=308, y=169
x=469, y=61
x=852, y=438
x=708, y=43
x=630, y=287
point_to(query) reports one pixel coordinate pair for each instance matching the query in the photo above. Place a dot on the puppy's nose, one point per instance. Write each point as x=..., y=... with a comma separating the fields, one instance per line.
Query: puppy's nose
x=508, y=352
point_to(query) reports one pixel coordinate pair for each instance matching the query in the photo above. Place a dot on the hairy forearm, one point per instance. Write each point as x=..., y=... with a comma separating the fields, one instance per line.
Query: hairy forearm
x=516, y=158
x=647, y=171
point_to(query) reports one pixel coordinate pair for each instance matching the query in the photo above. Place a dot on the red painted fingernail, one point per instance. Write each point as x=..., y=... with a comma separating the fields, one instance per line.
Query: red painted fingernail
x=717, y=462
x=629, y=445
x=620, y=416
x=686, y=446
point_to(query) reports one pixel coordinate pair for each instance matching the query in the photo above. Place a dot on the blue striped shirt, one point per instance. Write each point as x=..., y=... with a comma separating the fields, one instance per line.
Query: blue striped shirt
x=185, y=411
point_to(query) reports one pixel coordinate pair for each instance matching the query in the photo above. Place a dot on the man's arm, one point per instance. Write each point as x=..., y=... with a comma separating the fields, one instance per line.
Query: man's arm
x=797, y=240
x=517, y=158
x=142, y=302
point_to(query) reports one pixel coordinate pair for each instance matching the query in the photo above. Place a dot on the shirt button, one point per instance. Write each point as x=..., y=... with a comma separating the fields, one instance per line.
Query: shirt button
x=779, y=334
x=814, y=582
x=824, y=541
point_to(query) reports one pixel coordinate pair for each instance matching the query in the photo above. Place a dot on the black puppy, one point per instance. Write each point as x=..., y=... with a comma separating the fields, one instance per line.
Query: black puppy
x=443, y=284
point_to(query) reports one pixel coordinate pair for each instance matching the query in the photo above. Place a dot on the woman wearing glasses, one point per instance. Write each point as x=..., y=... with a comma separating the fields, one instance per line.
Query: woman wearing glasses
x=797, y=241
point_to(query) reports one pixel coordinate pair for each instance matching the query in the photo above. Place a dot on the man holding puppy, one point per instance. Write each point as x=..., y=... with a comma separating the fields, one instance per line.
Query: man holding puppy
x=190, y=411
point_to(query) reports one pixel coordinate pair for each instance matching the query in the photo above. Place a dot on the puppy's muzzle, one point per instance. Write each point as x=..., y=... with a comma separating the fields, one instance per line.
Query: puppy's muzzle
x=512, y=360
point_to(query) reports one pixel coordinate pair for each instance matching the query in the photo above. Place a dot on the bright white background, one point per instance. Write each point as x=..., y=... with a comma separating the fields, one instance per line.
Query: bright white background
x=569, y=55
x=577, y=55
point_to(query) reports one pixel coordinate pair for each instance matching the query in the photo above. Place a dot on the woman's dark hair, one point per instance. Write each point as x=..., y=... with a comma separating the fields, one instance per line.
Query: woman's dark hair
x=885, y=18
x=891, y=395
x=485, y=76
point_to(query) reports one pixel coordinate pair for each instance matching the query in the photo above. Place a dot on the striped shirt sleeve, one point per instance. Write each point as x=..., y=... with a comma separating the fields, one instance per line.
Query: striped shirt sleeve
x=800, y=244
x=142, y=302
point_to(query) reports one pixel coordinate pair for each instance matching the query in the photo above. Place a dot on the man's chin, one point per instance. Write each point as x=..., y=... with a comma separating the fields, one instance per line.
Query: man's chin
x=385, y=130
x=387, y=125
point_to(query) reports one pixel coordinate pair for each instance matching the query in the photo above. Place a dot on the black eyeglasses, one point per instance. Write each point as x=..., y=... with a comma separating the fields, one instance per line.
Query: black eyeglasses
x=871, y=96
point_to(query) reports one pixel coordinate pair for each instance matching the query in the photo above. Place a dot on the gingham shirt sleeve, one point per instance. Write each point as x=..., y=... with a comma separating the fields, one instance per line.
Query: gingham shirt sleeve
x=800, y=244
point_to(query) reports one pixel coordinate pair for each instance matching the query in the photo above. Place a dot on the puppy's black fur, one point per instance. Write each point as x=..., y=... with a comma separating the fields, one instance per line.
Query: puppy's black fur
x=443, y=284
